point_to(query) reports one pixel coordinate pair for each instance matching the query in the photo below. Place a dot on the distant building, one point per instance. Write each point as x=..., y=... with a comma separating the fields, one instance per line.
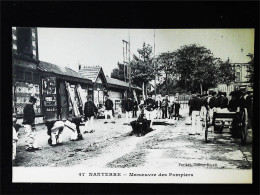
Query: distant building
x=97, y=76
x=116, y=89
x=241, y=81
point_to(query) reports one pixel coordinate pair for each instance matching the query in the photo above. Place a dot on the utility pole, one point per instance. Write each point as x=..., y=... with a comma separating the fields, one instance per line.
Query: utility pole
x=154, y=63
x=126, y=59
x=126, y=56
x=129, y=66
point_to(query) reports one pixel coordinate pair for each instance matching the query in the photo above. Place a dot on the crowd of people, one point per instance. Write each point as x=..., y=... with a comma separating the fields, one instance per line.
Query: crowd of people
x=152, y=108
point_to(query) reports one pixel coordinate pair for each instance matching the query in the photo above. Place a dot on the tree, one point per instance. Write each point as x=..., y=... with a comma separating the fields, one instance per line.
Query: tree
x=166, y=65
x=225, y=72
x=118, y=73
x=142, y=69
x=195, y=64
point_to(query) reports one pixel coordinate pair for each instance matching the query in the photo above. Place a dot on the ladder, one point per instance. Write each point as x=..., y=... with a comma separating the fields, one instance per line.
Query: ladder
x=71, y=94
x=82, y=95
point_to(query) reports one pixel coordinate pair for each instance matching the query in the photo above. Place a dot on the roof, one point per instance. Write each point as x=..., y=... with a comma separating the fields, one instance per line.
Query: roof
x=92, y=72
x=117, y=82
x=49, y=67
x=112, y=81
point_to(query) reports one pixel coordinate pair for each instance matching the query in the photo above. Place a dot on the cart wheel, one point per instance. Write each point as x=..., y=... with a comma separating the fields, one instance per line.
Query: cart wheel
x=206, y=127
x=244, y=124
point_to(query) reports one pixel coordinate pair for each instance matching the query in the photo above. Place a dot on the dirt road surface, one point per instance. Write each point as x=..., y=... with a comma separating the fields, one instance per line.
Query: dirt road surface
x=112, y=146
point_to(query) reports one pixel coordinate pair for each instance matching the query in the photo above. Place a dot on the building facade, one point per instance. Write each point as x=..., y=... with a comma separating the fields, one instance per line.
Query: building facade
x=241, y=80
x=97, y=76
x=26, y=75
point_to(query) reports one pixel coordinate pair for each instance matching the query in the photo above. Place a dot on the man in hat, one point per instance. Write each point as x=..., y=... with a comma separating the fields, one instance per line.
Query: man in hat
x=224, y=100
x=158, y=107
x=212, y=105
x=218, y=100
x=149, y=110
x=135, y=108
x=129, y=105
x=195, y=115
x=212, y=100
x=29, y=124
x=165, y=107
x=108, y=109
x=190, y=103
x=90, y=110
x=234, y=102
x=204, y=106
x=177, y=107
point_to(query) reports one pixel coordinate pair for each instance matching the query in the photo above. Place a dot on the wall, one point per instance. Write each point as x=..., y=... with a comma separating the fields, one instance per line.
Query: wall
x=116, y=97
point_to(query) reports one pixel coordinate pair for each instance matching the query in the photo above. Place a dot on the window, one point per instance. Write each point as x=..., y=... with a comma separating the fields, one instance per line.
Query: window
x=237, y=76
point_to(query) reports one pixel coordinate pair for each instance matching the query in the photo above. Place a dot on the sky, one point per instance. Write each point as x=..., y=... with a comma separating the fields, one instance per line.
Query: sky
x=104, y=47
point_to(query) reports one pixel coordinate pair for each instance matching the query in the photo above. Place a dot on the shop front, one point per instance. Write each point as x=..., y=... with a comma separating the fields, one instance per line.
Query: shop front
x=63, y=95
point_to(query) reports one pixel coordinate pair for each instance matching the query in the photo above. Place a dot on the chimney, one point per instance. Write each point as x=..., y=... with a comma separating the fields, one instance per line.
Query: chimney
x=79, y=66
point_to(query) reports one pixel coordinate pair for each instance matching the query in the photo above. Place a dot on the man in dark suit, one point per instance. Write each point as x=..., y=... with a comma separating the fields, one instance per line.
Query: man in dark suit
x=135, y=108
x=224, y=100
x=129, y=105
x=108, y=109
x=150, y=109
x=29, y=124
x=195, y=108
x=90, y=110
x=164, y=107
x=177, y=107
x=158, y=107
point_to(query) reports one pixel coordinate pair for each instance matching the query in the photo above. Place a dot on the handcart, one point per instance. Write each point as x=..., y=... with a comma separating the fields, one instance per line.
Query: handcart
x=236, y=122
